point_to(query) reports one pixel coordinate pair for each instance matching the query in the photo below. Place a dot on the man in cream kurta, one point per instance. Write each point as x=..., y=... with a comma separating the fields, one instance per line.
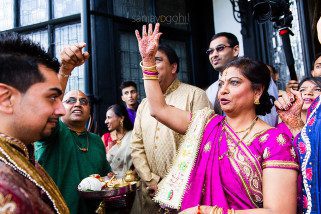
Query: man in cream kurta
x=153, y=144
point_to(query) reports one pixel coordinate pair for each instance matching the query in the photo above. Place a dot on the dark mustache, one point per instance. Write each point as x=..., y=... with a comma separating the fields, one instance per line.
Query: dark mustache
x=53, y=119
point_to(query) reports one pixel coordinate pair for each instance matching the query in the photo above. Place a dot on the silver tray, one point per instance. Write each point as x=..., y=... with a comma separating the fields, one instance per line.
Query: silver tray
x=108, y=193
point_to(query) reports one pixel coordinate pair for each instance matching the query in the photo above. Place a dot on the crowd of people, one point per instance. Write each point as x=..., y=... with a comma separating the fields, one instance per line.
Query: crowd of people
x=241, y=146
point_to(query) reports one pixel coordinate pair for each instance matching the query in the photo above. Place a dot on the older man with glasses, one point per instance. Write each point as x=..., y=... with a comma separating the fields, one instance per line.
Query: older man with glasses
x=223, y=48
x=72, y=153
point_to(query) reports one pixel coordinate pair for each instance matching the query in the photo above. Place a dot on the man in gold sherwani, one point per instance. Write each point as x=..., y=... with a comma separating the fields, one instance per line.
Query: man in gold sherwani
x=153, y=144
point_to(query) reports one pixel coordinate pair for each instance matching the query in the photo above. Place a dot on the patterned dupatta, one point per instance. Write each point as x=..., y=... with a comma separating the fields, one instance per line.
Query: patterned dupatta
x=308, y=143
x=11, y=157
x=195, y=177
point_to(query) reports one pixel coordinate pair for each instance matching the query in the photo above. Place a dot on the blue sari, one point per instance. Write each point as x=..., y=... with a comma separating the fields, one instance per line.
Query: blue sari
x=309, y=146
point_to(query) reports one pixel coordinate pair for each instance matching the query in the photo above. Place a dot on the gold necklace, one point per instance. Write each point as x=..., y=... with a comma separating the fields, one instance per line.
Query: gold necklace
x=75, y=140
x=230, y=151
x=118, y=140
x=244, y=130
x=17, y=143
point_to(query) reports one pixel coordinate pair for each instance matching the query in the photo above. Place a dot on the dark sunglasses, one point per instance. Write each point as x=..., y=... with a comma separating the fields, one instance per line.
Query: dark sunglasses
x=73, y=100
x=218, y=49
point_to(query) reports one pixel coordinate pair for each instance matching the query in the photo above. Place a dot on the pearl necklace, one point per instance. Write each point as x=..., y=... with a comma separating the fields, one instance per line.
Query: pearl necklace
x=17, y=143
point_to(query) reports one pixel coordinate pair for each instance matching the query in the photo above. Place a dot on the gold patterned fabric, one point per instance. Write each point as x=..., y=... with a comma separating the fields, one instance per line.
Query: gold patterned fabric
x=24, y=187
x=153, y=144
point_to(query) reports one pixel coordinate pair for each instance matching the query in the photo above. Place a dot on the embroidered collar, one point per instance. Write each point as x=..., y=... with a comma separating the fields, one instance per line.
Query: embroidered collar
x=175, y=84
x=16, y=144
x=18, y=162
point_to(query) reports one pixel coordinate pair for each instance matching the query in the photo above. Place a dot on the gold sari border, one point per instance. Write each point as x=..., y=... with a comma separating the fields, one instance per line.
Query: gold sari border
x=280, y=164
x=242, y=150
x=172, y=188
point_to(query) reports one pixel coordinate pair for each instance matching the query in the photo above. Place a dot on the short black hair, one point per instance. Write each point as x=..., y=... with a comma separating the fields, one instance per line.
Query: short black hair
x=121, y=111
x=170, y=53
x=231, y=38
x=127, y=84
x=20, y=59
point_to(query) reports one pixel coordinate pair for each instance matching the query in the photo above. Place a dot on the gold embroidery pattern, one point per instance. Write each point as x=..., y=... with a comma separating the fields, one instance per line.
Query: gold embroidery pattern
x=266, y=153
x=280, y=164
x=6, y=205
x=207, y=147
x=20, y=164
x=251, y=178
x=249, y=142
x=175, y=183
x=281, y=140
x=264, y=138
x=172, y=87
x=293, y=154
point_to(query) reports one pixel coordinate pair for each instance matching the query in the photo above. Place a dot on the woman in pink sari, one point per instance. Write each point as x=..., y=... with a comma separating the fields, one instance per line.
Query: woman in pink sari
x=227, y=164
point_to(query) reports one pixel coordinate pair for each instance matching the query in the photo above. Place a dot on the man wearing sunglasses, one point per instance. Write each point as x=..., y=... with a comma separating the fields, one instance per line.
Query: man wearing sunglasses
x=72, y=153
x=223, y=48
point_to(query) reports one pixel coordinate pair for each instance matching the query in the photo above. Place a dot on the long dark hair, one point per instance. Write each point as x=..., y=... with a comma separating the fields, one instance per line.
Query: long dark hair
x=315, y=80
x=259, y=75
x=121, y=111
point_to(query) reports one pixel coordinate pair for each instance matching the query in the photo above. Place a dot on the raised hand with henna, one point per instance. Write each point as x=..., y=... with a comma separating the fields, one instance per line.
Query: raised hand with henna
x=148, y=43
x=289, y=106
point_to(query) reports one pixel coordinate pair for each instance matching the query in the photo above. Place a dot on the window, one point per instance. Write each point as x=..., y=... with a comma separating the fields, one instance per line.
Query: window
x=65, y=35
x=39, y=21
x=139, y=10
x=6, y=15
x=40, y=37
x=66, y=7
x=33, y=11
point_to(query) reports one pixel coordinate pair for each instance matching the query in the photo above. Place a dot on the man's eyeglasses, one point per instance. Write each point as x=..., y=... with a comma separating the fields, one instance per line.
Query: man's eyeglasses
x=218, y=49
x=73, y=100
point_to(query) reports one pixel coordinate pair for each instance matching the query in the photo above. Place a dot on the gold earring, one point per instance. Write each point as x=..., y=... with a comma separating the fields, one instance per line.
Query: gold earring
x=257, y=102
x=121, y=124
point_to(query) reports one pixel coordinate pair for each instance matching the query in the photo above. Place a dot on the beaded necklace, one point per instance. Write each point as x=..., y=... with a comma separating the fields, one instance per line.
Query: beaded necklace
x=76, y=142
x=17, y=143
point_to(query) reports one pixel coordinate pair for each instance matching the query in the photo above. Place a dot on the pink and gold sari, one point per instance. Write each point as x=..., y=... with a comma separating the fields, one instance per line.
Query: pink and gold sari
x=217, y=177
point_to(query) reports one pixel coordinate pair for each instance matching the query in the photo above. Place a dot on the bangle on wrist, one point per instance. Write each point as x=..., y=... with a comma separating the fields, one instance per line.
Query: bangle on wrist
x=150, y=68
x=63, y=74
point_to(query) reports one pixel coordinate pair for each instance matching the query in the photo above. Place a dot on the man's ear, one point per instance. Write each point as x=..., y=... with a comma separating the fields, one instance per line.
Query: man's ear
x=236, y=50
x=6, y=99
x=174, y=68
x=312, y=73
x=122, y=98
